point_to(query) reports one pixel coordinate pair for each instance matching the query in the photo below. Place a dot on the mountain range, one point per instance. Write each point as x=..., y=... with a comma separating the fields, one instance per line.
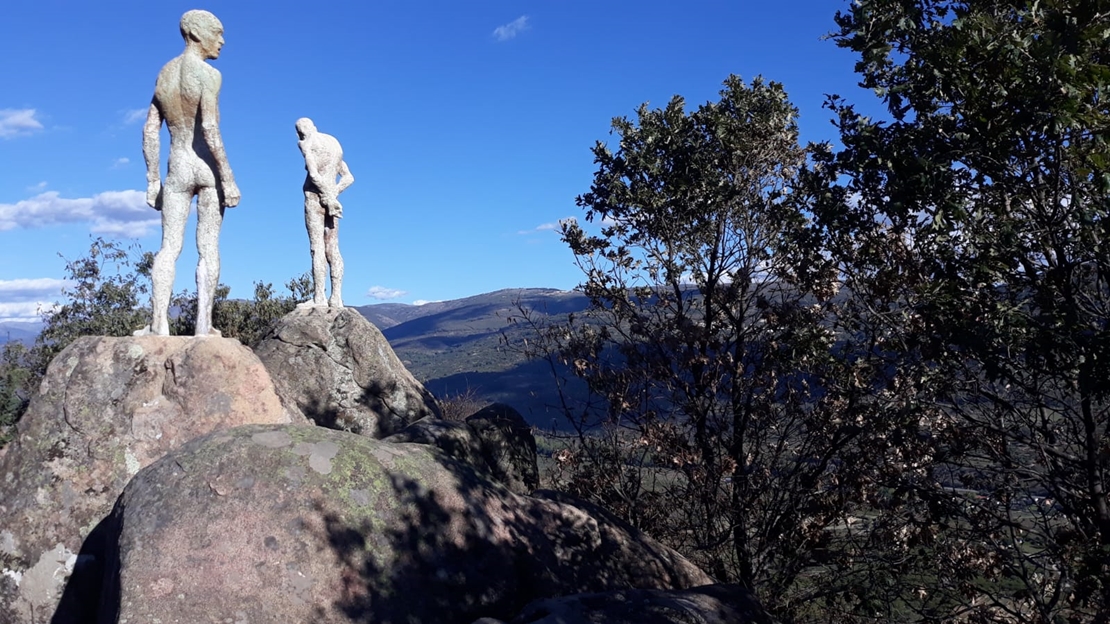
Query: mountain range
x=471, y=346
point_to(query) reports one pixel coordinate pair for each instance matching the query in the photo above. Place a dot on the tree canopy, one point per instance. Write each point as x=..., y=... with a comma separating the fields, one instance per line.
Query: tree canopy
x=871, y=377
x=991, y=180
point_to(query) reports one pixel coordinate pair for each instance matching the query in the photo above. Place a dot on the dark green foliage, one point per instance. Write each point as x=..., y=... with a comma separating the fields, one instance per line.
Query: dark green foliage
x=15, y=377
x=730, y=430
x=247, y=321
x=102, y=297
x=899, y=350
x=983, y=203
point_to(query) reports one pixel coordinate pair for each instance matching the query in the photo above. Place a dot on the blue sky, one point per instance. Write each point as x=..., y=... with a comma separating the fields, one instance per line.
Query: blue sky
x=467, y=126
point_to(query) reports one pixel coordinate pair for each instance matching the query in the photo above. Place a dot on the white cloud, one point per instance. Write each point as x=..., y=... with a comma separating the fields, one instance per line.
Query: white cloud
x=134, y=115
x=554, y=226
x=30, y=289
x=23, y=300
x=24, y=311
x=17, y=122
x=38, y=188
x=122, y=213
x=382, y=293
x=121, y=162
x=512, y=29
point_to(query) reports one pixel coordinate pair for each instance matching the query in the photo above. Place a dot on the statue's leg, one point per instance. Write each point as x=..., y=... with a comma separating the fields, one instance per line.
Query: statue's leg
x=335, y=261
x=314, y=223
x=175, y=212
x=210, y=218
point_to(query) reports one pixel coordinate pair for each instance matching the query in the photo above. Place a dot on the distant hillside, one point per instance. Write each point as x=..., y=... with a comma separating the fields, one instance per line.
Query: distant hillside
x=495, y=304
x=23, y=332
x=456, y=346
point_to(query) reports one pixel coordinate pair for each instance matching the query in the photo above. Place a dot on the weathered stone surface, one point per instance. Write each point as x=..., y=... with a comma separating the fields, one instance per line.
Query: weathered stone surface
x=334, y=367
x=508, y=446
x=305, y=524
x=495, y=441
x=710, y=604
x=106, y=408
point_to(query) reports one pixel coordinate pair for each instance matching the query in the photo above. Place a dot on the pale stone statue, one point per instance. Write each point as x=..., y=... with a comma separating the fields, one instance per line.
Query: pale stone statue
x=186, y=97
x=323, y=159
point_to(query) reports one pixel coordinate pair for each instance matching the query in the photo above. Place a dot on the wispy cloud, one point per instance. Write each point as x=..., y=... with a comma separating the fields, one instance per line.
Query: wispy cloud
x=420, y=302
x=120, y=213
x=382, y=293
x=18, y=122
x=553, y=226
x=512, y=29
x=121, y=162
x=37, y=188
x=134, y=115
x=25, y=312
x=22, y=300
x=30, y=289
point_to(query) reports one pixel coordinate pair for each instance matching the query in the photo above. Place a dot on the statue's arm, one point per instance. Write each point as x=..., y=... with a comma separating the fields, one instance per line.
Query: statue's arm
x=346, y=178
x=152, y=147
x=326, y=186
x=210, y=126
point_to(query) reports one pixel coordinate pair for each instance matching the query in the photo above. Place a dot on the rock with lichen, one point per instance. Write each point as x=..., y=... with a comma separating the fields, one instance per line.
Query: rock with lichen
x=336, y=369
x=106, y=408
x=305, y=524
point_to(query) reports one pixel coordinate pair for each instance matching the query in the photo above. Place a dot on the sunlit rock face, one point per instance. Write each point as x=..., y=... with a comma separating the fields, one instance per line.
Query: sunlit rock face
x=106, y=408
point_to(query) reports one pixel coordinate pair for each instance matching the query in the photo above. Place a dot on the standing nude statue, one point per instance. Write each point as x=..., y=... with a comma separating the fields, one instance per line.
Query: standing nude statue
x=186, y=97
x=323, y=160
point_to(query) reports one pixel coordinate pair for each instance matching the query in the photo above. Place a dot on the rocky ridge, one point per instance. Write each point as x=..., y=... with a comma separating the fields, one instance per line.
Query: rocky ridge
x=163, y=479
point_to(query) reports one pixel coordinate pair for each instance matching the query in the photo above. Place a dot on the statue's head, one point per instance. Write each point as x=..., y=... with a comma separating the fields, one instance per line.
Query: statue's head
x=305, y=127
x=203, y=30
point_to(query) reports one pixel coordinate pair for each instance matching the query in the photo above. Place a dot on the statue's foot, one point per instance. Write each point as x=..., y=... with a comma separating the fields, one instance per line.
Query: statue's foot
x=308, y=305
x=335, y=303
x=148, y=331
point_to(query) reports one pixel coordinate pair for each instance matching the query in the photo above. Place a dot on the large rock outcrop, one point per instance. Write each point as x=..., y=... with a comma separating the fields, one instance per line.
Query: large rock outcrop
x=106, y=408
x=304, y=524
x=335, y=368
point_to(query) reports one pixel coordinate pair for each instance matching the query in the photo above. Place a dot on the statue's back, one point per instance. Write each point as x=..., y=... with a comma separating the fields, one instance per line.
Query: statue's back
x=180, y=87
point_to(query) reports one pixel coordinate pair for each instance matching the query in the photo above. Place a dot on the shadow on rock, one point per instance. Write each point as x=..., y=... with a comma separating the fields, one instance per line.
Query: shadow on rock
x=80, y=601
x=305, y=524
